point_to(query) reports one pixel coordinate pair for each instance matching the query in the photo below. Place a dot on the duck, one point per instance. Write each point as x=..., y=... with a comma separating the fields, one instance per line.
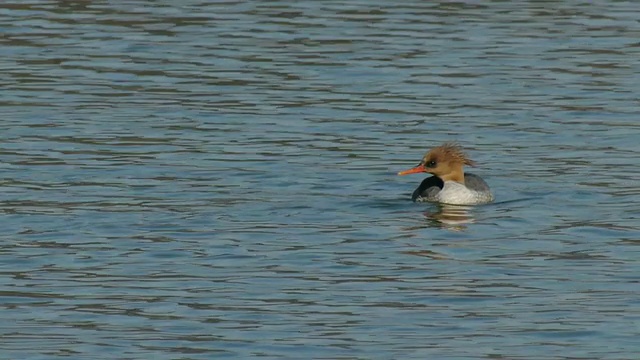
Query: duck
x=449, y=183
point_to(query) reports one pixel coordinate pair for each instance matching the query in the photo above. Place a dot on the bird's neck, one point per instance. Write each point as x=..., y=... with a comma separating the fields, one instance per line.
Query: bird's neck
x=456, y=175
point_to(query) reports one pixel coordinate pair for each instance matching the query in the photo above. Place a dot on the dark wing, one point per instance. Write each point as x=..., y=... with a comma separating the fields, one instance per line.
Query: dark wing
x=475, y=182
x=428, y=188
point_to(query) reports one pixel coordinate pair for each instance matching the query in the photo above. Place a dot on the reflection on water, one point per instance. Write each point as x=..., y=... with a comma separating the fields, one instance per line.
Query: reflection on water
x=452, y=217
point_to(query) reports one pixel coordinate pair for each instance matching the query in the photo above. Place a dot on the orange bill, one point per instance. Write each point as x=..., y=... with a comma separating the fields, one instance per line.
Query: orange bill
x=418, y=169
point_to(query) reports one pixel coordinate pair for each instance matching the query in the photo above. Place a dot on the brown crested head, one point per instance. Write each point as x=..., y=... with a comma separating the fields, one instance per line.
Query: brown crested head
x=445, y=161
x=447, y=153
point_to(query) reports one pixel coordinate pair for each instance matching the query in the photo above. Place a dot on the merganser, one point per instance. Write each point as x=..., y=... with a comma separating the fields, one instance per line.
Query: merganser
x=449, y=185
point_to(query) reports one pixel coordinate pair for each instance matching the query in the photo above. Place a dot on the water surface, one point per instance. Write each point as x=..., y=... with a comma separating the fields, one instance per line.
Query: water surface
x=217, y=180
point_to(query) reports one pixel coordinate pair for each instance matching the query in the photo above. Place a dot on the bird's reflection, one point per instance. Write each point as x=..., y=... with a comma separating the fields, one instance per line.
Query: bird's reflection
x=452, y=217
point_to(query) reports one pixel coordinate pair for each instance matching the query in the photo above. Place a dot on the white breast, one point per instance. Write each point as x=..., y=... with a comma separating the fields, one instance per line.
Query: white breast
x=458, y=194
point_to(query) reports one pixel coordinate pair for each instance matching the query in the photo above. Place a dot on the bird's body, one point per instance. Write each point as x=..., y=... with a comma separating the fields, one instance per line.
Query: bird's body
x=474, y=191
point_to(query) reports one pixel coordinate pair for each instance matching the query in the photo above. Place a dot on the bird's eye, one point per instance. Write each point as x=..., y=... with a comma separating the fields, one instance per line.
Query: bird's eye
x=431, y=164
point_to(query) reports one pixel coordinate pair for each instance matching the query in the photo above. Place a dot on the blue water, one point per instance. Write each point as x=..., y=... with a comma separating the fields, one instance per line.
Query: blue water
x=217, y=180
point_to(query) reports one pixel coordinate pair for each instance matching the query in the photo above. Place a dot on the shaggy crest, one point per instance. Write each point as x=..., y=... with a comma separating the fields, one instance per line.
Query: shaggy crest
x=451, y=152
